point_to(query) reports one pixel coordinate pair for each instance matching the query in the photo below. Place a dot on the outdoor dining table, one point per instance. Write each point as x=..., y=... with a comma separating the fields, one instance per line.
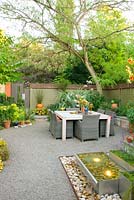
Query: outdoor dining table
x=73, y=115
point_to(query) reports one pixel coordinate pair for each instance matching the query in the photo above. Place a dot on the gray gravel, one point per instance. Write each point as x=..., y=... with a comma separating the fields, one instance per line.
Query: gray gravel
x=34, y=171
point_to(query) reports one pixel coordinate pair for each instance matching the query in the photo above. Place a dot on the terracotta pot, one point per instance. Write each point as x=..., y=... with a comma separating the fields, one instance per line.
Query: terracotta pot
x=39, y=106
x=114, y=105
x=7, y=124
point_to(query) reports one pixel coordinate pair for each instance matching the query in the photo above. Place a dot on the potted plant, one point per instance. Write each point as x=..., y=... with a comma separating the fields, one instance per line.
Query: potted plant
x=39, y=99
x=6, y=115
x=114, y=104
x=21, y=117
x=130, y=117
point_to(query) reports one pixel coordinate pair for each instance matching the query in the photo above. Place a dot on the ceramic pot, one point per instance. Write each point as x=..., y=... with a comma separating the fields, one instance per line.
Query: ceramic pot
x=114, y=105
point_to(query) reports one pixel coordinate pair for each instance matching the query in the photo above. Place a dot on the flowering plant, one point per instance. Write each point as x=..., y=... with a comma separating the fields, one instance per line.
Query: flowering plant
x=130, y=70
x=129, y=138
x=81, y=101
x=5, y=113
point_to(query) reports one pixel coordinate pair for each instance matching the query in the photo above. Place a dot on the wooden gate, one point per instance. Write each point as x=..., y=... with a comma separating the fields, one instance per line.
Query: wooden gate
x=19, y=91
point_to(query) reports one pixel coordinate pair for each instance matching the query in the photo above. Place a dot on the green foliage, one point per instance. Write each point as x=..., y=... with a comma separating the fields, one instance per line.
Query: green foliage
x=68, y=99
x=29, y=115
x=129, y=175
x=54, y=107
x=104, y=42
x=130, y=115
x=76, y=71
x=125, y=156
x=12, y=112
x=121, y=110
x=105, y=105
x=4, y=152
x=4, y=100
x=39, y=96
x=62, y=83
x=64, y=20
x=8, y=64
x=39, y=63
x=108, y=56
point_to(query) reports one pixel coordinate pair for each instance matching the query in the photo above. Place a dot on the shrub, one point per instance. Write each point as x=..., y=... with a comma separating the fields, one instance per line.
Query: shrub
x=121, y=110
x=1, y=165
x=69, y=99
x=4, y=152
x=43, y=111
x=130, y=115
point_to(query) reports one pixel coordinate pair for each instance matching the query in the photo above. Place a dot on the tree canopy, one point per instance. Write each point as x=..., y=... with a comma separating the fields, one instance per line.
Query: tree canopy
x=8, y=64
x=43, y=15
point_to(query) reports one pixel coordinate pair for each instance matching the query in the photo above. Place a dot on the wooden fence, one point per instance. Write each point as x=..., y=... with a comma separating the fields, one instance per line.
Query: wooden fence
x=123, y=92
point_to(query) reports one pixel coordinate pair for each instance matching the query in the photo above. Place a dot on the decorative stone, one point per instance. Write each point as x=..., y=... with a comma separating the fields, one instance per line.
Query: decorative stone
x=81, y=185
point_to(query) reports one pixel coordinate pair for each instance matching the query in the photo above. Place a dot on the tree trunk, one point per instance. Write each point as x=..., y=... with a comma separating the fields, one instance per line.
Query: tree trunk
x=93, y=74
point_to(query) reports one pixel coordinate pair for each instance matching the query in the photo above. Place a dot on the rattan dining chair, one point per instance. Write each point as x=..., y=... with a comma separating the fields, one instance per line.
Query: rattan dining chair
x=56, y=127
x=88, y=128
x=101, y=111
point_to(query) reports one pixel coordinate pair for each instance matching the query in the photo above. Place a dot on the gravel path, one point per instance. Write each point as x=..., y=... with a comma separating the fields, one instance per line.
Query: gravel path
x=34, y=171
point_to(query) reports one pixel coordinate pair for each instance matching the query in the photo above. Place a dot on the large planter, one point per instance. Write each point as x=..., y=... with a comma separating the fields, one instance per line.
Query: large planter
x=7, y=123
x=103, y=182
x=126, y=188
x=120, y=162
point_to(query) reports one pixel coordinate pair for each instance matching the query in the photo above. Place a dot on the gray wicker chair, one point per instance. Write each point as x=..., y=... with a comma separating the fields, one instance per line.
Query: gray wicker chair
x=112, y=114
x=50, y=124
x=101, y=111
x=56, y=127
x=88, y=128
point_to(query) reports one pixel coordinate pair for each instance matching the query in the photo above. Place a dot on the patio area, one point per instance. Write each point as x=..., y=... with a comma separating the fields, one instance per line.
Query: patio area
x=34, y=170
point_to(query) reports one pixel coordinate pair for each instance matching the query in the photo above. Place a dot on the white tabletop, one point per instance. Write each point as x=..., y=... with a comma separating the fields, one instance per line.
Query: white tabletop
x=69, y=115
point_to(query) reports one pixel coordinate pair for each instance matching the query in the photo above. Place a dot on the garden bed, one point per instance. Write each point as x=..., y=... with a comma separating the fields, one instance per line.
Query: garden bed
x=122, y=159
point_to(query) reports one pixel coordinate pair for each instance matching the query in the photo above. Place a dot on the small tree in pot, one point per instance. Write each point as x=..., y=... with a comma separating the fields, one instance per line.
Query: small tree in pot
x=39, y=99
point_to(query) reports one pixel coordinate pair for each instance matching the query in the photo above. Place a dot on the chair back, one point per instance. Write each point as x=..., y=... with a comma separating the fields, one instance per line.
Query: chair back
x=101, y=111
x=90, y=120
